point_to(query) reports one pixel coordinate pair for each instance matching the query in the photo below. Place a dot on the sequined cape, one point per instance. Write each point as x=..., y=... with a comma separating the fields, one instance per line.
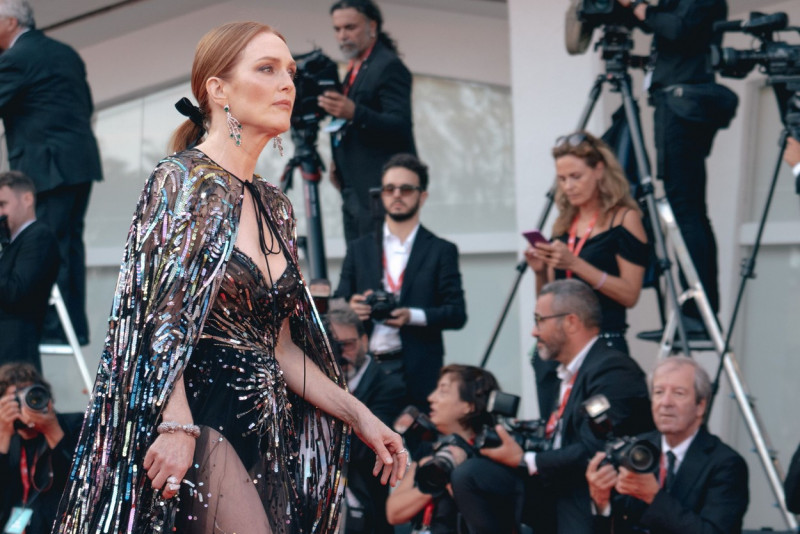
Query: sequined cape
x=179, y=243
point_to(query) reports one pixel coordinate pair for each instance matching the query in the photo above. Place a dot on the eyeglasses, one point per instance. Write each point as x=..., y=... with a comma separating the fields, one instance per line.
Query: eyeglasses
x=540, y=318
x=574, y=140
x=405, y=189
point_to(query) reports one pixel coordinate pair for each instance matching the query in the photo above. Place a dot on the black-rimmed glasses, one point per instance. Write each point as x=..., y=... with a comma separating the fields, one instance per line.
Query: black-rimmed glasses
x=537, y=319
x=405, y=189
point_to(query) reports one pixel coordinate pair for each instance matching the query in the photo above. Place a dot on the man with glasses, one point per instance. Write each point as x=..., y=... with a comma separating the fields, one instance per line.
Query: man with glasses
x=383, y=394
x=549, y=485
x=407, y=264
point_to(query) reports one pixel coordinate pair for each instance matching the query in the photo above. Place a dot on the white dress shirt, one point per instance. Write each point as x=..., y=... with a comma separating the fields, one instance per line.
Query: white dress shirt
x=565, y=373
x=387, y=338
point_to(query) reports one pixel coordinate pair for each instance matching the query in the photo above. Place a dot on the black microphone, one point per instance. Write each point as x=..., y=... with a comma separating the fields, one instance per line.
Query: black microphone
x=728, y=26
x=766, y=23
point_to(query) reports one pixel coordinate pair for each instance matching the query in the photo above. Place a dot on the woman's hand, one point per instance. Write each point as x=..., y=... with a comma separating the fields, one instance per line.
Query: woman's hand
x=556, y=255
x=391, y=458
x=535, y=260
x=170, y=455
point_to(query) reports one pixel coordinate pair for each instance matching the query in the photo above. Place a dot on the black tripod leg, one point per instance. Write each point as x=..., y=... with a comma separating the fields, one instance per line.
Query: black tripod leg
x=646, y=180
x=748, y=268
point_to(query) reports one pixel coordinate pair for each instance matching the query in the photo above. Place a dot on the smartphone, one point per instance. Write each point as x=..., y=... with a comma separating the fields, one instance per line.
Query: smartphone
x=534, y=237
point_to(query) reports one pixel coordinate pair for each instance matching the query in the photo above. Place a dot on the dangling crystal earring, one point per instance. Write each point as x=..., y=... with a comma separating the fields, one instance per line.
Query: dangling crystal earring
x=234, y=127
x=277, y=142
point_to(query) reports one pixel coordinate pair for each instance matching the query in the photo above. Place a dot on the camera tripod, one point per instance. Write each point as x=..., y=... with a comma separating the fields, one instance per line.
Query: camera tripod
x=307, y=159
x=616, y=44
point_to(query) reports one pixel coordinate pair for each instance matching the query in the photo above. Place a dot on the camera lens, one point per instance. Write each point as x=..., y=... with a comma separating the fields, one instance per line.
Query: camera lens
x=37, y=397
x=641, y=458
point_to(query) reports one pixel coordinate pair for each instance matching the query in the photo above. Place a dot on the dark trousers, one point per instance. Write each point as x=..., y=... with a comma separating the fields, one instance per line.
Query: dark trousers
x=63, y=209
x=682, y=148
x=359, y=219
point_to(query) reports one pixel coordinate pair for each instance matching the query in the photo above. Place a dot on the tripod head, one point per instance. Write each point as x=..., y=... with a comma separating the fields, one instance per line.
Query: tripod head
x=615, y=45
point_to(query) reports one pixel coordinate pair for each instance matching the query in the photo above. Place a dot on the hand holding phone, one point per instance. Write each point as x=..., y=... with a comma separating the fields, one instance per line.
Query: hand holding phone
x=535, y=237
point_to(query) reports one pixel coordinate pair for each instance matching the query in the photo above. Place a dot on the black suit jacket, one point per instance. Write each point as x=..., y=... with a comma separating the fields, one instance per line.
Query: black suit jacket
x=382, y=124
x=45, y=506
x=791, y=485
x=562, y=471
x=708, y=496
x=432, y=282
x=383, y=395
x=28, y=270
x=46, y=106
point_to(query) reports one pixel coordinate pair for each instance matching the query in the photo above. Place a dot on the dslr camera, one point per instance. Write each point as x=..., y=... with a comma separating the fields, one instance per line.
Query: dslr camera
x=448, y=451
x=530, y=435
x=635, y=454
x=383, y=303
x=36, y=397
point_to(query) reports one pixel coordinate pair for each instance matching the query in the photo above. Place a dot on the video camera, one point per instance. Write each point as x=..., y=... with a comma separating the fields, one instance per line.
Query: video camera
x=598, y=12
x=778, y=59
x=635, y=454
x=316, y=73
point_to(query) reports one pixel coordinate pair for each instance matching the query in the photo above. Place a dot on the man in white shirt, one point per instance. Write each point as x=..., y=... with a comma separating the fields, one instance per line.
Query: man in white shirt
x=701, y=483
x=492, y=491
x=419, y=269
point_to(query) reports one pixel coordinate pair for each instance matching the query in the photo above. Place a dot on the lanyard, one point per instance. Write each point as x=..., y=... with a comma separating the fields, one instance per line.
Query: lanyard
x=354, y=69
x=28, y=476
x=662, y=471
x=393, y=286
x=555, y=417
x=573, y=229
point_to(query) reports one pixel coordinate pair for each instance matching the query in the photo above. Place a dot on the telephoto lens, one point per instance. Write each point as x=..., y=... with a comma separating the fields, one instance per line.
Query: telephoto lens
x=36, y=397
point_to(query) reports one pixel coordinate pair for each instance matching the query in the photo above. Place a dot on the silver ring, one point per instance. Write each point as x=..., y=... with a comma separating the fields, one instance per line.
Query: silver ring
x=402, y=451
x=173, y=487
x=172, y=479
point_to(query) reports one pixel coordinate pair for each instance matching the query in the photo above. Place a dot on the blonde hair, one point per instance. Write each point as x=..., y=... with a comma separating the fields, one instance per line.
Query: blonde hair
x=216, y=55
x=613, y=188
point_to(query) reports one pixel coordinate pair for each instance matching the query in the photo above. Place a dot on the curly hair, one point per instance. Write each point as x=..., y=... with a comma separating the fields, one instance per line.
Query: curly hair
x=474, y=386
x=613, y=188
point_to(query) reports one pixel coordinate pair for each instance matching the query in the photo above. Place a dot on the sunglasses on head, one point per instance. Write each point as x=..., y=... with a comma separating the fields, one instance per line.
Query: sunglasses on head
x=573, y=140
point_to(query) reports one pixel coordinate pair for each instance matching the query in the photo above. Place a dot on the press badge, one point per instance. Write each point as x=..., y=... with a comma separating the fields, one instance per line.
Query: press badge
x=20, y=517
x=335, y=125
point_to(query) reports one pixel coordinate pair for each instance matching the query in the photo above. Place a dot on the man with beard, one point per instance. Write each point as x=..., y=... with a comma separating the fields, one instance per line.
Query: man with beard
x=372, y=114
x=407, y=269
x=383, y=394
x=549, y=485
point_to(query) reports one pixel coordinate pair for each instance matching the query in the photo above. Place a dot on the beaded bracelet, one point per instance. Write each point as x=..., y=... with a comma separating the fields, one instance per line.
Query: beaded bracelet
x=602, y=280
x=171, y=426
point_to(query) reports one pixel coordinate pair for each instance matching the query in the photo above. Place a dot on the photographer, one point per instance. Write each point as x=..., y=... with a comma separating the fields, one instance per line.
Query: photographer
x=686, y=102
x=383, y=394
x=36, y=447
x=701, y=484
x=458, y=407
x=549, y=484
x=28, y=269
x=416, y=276
x=373, y=118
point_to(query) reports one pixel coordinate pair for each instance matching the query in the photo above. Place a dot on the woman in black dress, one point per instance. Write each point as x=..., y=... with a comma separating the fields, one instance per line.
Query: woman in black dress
x=598, y=236
x=210, y=408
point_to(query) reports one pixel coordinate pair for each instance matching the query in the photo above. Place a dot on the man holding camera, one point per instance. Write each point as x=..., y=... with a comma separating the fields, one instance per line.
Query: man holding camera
x=365, y=496
x=405, y=283
x=701, y=483
x=28, y=269
x=548, y=484
x=36, y=448
x=372, y=114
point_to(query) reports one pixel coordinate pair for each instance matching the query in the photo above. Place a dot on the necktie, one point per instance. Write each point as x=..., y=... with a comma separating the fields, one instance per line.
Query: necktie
x=670, y=470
